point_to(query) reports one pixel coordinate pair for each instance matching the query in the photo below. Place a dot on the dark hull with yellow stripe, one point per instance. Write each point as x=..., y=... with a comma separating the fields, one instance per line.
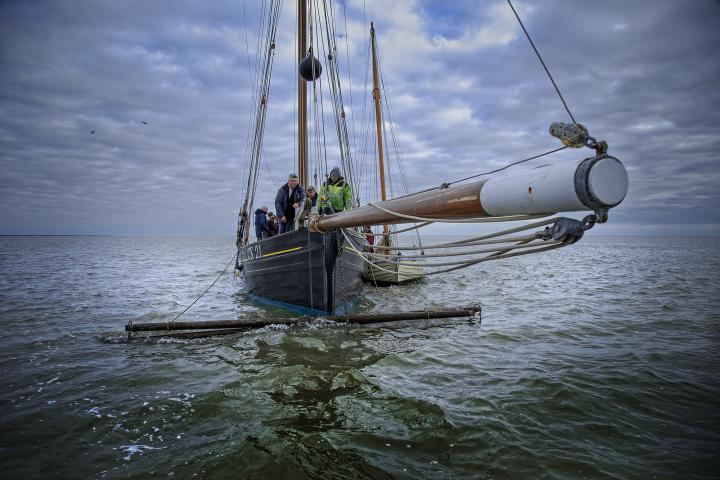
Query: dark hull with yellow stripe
x=313, y=273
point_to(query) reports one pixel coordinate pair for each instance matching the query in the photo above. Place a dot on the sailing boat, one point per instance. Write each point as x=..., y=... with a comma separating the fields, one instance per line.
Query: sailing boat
x=317, y=269
x=305, y=271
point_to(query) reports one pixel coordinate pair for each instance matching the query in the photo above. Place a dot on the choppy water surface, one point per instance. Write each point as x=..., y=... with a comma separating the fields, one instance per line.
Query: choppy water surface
x=596, y=361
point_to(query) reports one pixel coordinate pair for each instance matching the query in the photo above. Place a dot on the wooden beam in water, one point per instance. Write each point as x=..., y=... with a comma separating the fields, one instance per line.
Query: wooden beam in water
x=236, y=325
x=400, y=316
x=157, y=327
x=197, y=334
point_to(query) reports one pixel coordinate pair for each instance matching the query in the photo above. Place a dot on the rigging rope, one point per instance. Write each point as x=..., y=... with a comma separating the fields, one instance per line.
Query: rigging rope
x=523, y=242
x=523, y=247
x=206, y=290
x=445, y=185
x=335, y=88
x=262, y=93
x=509, y=218
x=507, y=166
x=347, y=59
x=455, y=245
x=542, y=62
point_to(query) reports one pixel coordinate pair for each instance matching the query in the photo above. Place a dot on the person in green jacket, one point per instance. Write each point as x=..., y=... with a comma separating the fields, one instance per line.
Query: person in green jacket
x=335, y=193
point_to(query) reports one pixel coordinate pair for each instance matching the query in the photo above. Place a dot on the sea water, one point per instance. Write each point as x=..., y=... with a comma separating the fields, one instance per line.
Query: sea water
x=599, y=360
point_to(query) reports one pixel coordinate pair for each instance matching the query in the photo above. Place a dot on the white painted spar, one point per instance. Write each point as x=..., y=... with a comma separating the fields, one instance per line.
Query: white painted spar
x=544, y=189
x=552, y=188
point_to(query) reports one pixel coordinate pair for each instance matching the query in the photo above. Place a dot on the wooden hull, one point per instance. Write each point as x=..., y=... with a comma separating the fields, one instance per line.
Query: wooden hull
x=303, y=271
x=404, y=272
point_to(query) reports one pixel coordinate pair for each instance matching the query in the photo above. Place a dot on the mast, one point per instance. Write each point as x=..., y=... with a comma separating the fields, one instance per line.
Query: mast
x=302, y=169
x=378, y=124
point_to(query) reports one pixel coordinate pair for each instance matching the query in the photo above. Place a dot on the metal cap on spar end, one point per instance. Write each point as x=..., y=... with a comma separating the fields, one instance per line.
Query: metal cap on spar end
x=601, y=182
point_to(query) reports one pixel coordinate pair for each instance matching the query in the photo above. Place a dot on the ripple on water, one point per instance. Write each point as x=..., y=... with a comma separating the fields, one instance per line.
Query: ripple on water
x=602, y=372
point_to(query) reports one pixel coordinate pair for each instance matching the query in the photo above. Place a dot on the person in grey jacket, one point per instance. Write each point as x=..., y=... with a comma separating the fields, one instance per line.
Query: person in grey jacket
x=289, y=197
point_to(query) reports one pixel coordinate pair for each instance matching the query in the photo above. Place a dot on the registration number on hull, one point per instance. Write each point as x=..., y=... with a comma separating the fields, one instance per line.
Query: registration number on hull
x=252, y=252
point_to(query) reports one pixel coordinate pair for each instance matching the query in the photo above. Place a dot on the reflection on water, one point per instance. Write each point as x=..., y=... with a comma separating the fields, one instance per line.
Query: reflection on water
x=597, y=361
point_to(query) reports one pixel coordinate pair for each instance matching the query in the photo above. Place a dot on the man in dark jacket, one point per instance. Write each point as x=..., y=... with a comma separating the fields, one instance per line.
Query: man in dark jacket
x=289, y=197
x=261, y=224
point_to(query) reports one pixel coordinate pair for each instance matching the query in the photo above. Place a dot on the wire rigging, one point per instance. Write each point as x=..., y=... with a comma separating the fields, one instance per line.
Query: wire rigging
x=232, y=260
x=266, y=43
x=562, y=99
x=507, y=166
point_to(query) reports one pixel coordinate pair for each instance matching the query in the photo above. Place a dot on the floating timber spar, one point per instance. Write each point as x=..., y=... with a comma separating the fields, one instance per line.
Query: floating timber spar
x=228, y=327
x=363, y=319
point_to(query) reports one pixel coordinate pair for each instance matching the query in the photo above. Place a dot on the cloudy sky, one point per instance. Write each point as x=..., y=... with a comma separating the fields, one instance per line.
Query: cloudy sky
x=467, y=93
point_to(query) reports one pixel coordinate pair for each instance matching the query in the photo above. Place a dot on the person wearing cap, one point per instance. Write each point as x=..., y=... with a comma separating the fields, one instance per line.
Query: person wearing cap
x=262, y=229
x=335, y=193
x=289, y=198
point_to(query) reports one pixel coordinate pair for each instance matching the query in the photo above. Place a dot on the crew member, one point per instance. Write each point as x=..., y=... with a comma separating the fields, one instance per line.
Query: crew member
x=335, y=193
x=289, y=198
x=261, y=224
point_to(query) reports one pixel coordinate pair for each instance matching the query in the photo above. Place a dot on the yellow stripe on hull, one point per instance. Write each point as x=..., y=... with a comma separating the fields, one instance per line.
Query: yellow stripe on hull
x=280, y=252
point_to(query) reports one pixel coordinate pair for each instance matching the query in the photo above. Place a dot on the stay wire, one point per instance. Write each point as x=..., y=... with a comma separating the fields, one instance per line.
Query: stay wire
x=445, y=185
x=508, y=165
x=206, y=290
x=542, y=61
x=347, y=59
x=337, y=96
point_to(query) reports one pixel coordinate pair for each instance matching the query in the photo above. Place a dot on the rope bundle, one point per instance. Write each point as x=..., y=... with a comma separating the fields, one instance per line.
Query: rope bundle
x=500, y=245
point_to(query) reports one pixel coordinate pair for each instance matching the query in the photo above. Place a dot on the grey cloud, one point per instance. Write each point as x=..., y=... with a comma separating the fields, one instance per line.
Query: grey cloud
x=642, y=75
